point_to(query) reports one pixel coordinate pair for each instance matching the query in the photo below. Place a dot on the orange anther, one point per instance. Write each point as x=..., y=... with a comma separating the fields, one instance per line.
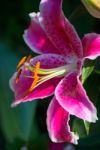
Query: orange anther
x=36, y=69
x=18, y=75
x=36, y=77
x=28, y=58
x=22, y=61
x=33, y=84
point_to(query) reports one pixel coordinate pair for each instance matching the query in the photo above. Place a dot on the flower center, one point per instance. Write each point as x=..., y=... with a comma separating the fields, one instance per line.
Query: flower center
x=41, y=75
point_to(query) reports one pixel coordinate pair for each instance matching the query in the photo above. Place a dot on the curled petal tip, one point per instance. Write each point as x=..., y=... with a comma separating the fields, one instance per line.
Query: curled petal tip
x=75, y=138
x=33, y=15
x=14, y=104
x=94, y=119
x=93, y=116
x=97, y=118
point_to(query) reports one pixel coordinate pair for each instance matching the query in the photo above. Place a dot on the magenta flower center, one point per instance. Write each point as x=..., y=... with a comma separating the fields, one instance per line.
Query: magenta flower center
x=41, y=75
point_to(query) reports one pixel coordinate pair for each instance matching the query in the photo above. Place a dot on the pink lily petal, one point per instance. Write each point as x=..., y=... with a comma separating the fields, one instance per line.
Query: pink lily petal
x=91, y=45
x=36, y=38
x=58, y=28
x=72, y=97
x=49, y=61
x=45, y=89
x=57, y=124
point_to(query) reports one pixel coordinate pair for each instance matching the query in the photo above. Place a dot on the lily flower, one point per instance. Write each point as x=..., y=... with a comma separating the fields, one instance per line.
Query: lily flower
x=56, y=70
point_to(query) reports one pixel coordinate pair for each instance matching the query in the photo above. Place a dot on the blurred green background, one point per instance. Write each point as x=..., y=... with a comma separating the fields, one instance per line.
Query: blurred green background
x=24, y=126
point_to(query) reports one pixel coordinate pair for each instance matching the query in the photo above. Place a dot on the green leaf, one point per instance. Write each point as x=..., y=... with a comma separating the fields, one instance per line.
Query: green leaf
x=87, y=70
x=79, y=128
x=87, y=126
x=97, y=66
x=15, y=122
x=92, y=86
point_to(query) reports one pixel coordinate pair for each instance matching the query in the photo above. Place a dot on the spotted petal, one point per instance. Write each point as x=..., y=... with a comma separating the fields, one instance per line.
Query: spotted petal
x=36, y=38
x=58, y=28
x=45, y=89
x=58, y=124
x=72, y=97
x=91, y=45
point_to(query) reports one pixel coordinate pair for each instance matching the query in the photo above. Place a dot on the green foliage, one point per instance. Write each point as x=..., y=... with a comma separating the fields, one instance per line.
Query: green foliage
x=19, y=122
x=87, y=70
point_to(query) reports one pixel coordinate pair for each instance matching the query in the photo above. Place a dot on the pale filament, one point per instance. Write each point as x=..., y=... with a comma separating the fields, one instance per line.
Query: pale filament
x=47, y=74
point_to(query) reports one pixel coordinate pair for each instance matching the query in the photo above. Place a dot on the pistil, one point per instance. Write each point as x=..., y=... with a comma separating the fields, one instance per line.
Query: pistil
x=41, y=75
x=35, y=76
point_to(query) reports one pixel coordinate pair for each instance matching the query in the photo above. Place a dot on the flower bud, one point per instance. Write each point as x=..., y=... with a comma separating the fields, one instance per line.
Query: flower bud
x=93, y=7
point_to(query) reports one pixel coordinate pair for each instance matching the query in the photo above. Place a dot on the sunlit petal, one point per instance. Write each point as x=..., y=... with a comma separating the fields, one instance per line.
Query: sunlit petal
x=91, y=45
x=58, y=124
x=72, y=97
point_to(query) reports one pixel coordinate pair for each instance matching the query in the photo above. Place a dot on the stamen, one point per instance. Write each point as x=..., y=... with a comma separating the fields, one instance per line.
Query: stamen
x=18, y=75
x=46, y=74
x=28, y=58
x=22, y=61
x=35, y=76
x=41, y=75
x=46, y=71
